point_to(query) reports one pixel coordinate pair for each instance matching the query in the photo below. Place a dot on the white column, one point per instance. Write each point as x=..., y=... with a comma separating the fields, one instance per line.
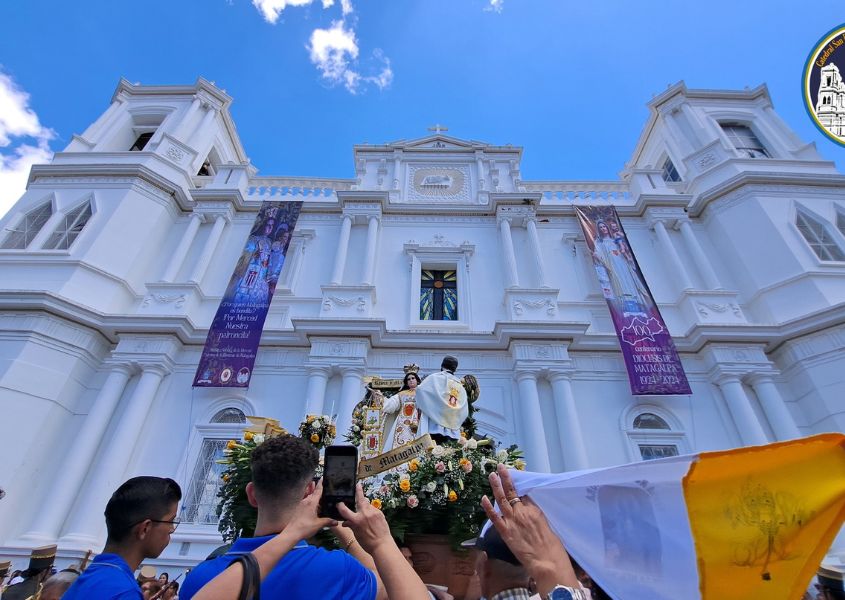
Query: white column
x=189, y=114
x=538, y=251
x=315, y=394
x=698, y=256
x=672, y=254
x=776, y=411
x=54, y=507
x=372, y=241
x=511, y=276
x=178, y=256
x=111, y=467
x=350, y=395
x=533, y=436
x=208, y=249
x=568, y=425
x=342, y=249
x=480, y=167
x=104, y=121
x=207, y=118
x=750, y=430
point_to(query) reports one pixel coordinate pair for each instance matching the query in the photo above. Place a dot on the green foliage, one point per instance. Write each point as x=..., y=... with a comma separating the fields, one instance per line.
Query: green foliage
x=237, y=517
x=440, y=492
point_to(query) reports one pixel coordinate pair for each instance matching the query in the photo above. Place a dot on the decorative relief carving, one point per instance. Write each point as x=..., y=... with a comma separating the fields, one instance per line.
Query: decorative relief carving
x=178, y=300
x=175, y=154
x=706, y=308
x=518, y=308
x=359, y=302
x=706, y=160
x=438, y=183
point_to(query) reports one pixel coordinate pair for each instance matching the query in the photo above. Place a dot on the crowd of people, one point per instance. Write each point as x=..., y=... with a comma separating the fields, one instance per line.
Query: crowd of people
x=519, y=556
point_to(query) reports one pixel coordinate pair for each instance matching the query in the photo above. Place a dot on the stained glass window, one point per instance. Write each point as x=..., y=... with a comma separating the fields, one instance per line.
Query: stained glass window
x=438, y=295
x=649, y=421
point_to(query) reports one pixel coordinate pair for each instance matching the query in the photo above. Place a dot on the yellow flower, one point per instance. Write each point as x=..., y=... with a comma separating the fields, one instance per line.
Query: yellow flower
x=248, y=435
x=463, y=462
x=376, y=503
x=414, y=465
x=315, y=438
x=310, y=418
x=405, y=485
x=519, y=464
x=225, y=477
x=332, y=430
x=230, y=445
x=452, y=496
x=464, y=434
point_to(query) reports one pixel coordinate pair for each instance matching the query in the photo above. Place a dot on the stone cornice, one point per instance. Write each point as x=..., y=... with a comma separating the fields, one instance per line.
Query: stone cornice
x=110, y=173
x=703, y=200
x=770, y=337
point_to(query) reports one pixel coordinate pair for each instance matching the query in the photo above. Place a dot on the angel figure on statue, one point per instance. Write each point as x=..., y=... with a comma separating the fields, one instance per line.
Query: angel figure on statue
x=437, y=405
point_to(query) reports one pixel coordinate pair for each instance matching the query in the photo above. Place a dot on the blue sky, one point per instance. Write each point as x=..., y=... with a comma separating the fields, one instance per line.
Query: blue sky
x=567, y=81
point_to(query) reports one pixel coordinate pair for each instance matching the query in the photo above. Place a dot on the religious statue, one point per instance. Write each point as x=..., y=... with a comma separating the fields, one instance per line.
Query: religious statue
x=395, y=412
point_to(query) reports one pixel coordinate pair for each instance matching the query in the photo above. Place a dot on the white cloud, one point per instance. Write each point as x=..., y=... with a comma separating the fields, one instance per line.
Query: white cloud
x=346, y=6
x=23, y=142
x=271, y=9
x=496, y=6
x=334, y=51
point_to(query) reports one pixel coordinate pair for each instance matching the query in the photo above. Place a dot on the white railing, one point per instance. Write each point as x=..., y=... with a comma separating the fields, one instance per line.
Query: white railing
x=572, y=191
x=305, y=187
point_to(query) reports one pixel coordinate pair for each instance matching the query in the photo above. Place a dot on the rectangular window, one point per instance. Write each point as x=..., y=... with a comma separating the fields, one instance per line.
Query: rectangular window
x=70, y=227
x=818, y=238
x=20, y=236
x=142, y=141
x=652, y=451
x=670, y=173
x=438, y=295
x=744, y=140
x=200, y=504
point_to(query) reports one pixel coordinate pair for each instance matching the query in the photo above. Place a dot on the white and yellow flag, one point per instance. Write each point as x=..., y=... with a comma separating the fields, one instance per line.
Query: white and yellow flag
x=741, y=524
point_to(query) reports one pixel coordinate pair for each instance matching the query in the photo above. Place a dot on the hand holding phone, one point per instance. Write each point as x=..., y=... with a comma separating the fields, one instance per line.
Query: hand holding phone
x=340, y=472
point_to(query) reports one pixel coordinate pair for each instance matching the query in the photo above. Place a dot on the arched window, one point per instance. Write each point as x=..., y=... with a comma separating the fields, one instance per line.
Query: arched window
x=200, y=505
x=649, y=420
x=25, y=231
x=653, y=432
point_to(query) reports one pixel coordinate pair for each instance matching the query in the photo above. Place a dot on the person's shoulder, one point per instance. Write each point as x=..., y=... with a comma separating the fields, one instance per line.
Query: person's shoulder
x=202, y=574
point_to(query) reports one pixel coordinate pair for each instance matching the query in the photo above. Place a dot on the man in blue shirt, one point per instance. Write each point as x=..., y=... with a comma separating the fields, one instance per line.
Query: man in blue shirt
x=140, y=516
x=282, y=474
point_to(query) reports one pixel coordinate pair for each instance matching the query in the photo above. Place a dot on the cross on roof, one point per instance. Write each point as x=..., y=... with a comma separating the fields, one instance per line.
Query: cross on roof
x=438, y=128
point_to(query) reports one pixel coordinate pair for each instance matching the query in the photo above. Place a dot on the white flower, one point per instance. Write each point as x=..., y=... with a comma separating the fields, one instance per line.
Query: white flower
x=472, y=444
x=356, y=429
x=438, y=451
x=404, y=476
x=462, y=441
x=258, y=438
x=502, y=455
x=430, y=486
x=317, y=425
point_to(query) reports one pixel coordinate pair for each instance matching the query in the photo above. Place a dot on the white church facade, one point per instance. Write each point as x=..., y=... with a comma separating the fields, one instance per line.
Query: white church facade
x=114, y=261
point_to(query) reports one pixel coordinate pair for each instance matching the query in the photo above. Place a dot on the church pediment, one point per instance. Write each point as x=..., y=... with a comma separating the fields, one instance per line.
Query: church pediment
x=438, y=142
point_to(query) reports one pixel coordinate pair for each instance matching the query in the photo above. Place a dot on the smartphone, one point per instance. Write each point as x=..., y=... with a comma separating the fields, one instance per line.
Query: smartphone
x=340, y=473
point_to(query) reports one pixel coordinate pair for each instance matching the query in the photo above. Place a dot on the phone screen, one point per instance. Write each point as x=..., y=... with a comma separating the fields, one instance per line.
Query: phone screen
x=340, y=467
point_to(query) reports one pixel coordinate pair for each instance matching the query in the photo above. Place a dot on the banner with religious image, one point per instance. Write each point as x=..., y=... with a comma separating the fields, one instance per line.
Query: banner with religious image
x=232, y=343
x=654, y=367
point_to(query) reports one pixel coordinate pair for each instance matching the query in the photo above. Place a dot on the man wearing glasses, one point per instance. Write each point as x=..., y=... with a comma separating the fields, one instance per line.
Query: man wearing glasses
x=140, y=516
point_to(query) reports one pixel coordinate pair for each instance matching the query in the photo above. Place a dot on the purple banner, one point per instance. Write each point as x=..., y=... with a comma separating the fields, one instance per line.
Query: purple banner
x=654, y=367
x=229, y=353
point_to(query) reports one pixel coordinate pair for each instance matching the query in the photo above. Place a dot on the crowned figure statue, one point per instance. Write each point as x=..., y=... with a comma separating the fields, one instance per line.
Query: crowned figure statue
x=437, y=405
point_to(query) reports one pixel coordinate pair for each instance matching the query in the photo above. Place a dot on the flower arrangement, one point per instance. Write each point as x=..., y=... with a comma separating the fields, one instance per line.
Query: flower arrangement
x=440, y=491
x=318, y=429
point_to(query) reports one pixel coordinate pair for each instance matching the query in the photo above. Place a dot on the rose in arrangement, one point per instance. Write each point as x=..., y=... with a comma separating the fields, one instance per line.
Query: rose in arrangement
x=318, y=429
x=440, y=491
